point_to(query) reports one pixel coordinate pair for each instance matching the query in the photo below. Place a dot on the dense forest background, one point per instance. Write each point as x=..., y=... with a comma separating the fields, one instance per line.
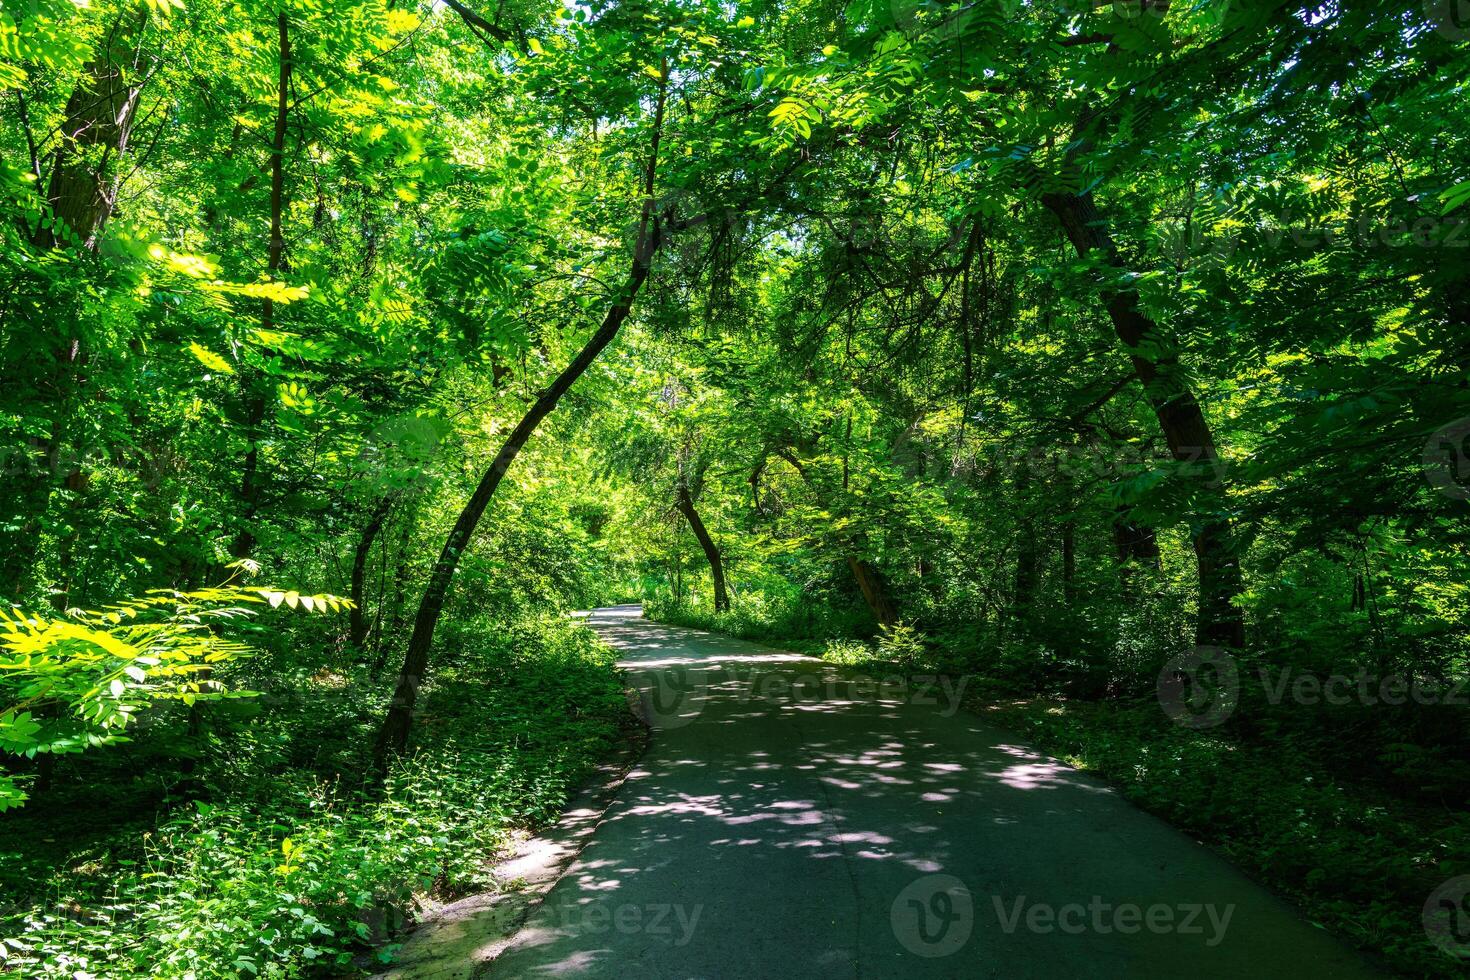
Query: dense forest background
x=1113, y=354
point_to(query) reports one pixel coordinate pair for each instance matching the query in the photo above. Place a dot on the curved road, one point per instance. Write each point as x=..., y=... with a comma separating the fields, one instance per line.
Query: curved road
x=793, y=820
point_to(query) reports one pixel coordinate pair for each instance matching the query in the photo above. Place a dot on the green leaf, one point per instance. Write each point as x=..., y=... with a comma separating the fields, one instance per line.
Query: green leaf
x=210, y=359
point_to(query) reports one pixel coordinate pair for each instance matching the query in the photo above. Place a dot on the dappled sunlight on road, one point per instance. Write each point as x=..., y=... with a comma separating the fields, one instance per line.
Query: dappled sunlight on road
x=785, y=804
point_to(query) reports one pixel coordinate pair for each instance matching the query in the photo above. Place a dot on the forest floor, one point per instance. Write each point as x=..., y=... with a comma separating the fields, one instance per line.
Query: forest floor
x=796, y=818
x=280, y=862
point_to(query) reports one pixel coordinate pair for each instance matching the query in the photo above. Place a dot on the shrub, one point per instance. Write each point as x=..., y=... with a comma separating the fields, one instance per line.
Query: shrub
x=902, y=644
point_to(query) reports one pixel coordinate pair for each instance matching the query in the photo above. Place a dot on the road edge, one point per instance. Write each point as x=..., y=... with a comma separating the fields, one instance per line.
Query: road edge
x=460, y=941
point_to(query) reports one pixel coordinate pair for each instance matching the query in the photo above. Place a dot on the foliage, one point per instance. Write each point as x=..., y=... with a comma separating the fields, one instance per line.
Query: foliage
x=1040, y=342
x=77, y=683
x=291, y=868
x=903, y=645
x=848, y=653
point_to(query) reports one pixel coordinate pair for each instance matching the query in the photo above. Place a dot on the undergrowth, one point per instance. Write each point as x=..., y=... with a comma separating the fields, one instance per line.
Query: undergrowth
x=273, y=857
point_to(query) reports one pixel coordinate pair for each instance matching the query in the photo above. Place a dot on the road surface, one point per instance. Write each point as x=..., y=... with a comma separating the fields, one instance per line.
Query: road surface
x=794, y=820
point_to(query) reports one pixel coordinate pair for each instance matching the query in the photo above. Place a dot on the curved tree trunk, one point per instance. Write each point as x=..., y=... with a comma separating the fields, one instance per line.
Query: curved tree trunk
x=874, y=589
x=393, y=736
x=1183, y=423
x=685, y=504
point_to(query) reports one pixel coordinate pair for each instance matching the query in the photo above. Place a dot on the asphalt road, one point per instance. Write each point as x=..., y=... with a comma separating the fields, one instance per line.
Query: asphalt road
x=794, y=820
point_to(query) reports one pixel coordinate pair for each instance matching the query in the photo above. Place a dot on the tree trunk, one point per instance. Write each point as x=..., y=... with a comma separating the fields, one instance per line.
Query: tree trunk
x=711, y=552
x=80, y=194
x=1135, y=544
x=874, y=589
x=81, y=191
x=1027, y=575
x=401, y=571
x=393, y=736
x=357, y=616
x=255, y=400
x=870, y=581
x=73, y=514
x=1024, y=595
x=244, y=542
x=1185, y=429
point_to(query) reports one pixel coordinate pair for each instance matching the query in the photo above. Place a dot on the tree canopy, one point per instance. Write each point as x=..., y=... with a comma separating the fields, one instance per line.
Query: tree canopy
x=1046, y=342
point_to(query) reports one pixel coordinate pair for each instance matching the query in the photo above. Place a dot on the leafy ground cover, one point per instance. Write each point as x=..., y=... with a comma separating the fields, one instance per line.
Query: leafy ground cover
x=274, y=859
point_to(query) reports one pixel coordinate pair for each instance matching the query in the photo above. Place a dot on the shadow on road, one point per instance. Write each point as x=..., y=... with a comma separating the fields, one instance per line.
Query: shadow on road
x=793, y=819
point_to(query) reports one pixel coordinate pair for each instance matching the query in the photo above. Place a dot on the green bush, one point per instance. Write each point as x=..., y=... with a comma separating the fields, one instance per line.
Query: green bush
x=848, y=653
x=83, y=680
x=903, y=645
x=779, y=614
